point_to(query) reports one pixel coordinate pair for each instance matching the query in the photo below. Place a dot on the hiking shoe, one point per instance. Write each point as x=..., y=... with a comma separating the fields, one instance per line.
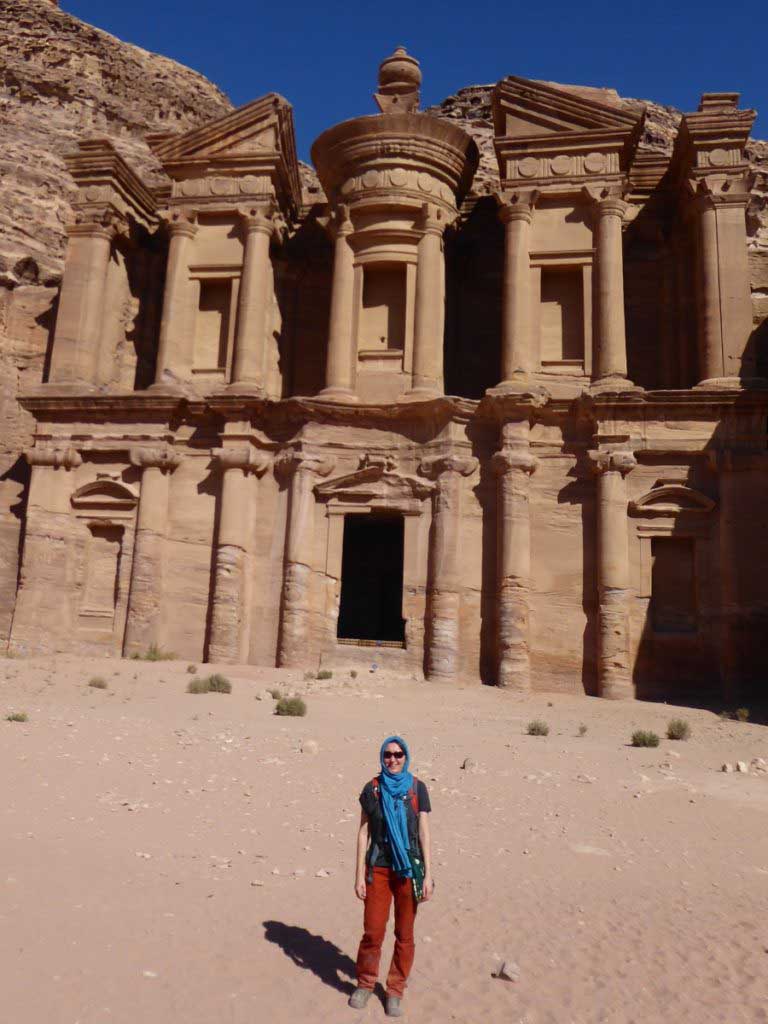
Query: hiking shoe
x=360, y=997
x=394, y=1009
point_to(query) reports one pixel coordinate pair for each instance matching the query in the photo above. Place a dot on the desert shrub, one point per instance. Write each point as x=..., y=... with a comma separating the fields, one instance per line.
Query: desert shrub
x=191, y=669
x=219, y=684
x=293, y=706
x=153, y=653
x=644, y=738
x=198, y=685
x=537, y=728
x=678, y=729
x=582, y=730
x=353, y=673
x=742, y=714
x=98, y=683
x=324, y=674
x=17, y=716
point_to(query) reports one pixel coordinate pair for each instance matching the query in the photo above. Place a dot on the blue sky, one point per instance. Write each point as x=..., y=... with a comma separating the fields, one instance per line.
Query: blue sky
x=323, y=57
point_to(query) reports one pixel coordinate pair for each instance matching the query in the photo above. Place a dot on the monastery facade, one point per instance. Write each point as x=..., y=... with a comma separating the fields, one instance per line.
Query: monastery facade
x=516, y=438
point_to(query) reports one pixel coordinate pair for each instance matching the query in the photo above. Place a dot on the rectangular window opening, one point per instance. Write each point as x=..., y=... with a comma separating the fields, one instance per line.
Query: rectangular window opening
x=382, y=317
x=562, y=316
x=212, y=325
x=371, y=606
x=673, y=585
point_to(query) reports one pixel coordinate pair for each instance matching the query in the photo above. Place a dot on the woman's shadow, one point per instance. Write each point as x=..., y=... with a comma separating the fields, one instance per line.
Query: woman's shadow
x=312, y=952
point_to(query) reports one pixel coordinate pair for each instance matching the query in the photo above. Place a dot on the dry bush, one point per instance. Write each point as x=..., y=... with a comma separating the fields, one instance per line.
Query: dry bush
x=644, y=738
x=537, y=727
x=678, y=729
x=292, y=706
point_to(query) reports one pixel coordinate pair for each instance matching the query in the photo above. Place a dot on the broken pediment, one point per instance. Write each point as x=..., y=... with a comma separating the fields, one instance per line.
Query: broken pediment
x=523, y=108
x=559, y=138
x=257, y=138
x=374, y=484
x=671, y=500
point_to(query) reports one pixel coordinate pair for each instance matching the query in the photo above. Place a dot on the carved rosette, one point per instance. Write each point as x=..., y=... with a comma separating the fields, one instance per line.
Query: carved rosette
x=59, y=458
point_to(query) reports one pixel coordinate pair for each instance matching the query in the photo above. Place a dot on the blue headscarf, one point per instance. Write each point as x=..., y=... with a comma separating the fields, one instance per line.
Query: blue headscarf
x=393, y=787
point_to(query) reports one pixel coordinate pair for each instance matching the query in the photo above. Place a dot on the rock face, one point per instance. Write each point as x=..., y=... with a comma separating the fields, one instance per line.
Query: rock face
x=62, y=80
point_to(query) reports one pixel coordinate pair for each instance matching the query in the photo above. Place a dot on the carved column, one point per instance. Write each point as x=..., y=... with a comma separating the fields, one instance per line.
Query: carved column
x=429, y=312
x=174, y=352
x=613, y=653
x=610, y=360
x=144, y=620
x=338, y=370
x=516, y=213
x=80, y=318
x=727, y=465
x=514, y=466
x=44, y=611
x=294, y=649
x=445, y=586
x=248, y=365
x=724, y=305
x=228, y=599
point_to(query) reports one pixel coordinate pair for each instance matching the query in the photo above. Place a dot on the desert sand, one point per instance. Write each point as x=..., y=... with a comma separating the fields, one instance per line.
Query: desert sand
x=171, y=858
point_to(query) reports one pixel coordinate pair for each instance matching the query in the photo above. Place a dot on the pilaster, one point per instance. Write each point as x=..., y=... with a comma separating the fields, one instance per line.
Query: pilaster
x=445, y=586
x=145, y=620
x=248, y=369
x=514, y=465
x=613, y=653
x=302, y=469
x=228, y=610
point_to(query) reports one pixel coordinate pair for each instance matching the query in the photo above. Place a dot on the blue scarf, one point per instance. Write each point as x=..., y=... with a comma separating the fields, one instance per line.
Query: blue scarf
x=393, y=787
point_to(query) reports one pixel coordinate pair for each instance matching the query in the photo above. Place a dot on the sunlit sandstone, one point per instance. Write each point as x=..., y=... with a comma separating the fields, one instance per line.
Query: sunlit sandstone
x=517, y=438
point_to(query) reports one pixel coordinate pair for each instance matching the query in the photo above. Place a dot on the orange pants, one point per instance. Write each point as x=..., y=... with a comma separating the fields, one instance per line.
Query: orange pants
x=386, y=885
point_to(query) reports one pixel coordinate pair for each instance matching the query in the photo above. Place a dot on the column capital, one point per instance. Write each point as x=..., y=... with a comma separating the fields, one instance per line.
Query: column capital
x=340, y=223
x=258, y=219
x=517, y=205
x=434, y=466
x=291, y=461
x=514, y=459
x=180, y=222
x=432, y=220
x=606, y=200
x=164, y=458
x=66, y=458
x=716, y=192
x=244, y=457
x=93, y=229
x=612, y=462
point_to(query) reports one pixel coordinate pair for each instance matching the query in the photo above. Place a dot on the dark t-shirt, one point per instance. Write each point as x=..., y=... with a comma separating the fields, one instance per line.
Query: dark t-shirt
x=370, y=803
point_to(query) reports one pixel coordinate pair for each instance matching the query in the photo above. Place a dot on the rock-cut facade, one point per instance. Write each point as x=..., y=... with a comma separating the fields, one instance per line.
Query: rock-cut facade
x=517, y=438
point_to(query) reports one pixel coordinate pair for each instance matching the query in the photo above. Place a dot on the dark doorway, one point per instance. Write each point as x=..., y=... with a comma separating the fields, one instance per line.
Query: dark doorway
x=371, y=606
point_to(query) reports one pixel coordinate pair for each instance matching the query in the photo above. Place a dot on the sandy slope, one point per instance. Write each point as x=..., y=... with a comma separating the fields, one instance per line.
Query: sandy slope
x=161, y=851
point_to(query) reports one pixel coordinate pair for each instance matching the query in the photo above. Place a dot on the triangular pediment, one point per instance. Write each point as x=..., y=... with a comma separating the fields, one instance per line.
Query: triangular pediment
x=374, y=484
x=261, y=132
x=523, y=108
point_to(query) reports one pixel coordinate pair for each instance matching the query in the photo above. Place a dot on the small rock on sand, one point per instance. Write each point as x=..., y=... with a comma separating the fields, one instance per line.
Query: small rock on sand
x=508, y=971
x=469, y=764
x=310, y=747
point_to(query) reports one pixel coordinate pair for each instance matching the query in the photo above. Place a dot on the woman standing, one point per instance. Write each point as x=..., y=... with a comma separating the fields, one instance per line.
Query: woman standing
x=393, y=862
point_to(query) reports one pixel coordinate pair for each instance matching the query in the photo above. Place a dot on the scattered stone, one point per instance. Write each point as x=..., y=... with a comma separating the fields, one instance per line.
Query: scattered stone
x=585, y=779
x=256, y=882
x=727, y=767
x=264, y=695
x=508, y=971
x=149, y=974
x=310, y=747
x=469, y=764
x=742, y=766
x=759, y=765
x=275, y=871
x=322, y=873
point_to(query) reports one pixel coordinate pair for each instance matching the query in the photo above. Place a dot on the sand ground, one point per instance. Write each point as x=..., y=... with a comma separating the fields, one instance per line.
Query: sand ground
x=170, y=858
